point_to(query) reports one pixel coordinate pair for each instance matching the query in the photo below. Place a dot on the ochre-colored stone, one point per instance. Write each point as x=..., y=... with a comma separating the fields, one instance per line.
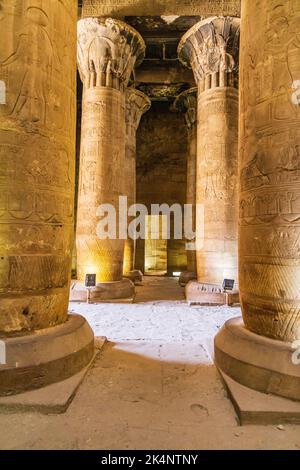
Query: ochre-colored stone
x=269, y=169
x=37, y=138
x=137, y=103
x=211, y=49
x=108, y=50
x=161, y=7
x=187, y=102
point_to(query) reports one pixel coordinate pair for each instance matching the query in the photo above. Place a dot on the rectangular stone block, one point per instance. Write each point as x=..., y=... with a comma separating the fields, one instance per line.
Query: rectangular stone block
x=160, y=7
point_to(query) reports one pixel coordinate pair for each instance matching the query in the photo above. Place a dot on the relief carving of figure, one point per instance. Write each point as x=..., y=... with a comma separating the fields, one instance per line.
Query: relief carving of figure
x=32, y=63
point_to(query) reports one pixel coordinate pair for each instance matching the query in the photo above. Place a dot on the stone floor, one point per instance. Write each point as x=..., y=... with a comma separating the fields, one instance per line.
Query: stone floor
x=153, y=386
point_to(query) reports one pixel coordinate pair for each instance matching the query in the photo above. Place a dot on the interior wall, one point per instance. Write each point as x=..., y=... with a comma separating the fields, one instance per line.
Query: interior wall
x=161, y=171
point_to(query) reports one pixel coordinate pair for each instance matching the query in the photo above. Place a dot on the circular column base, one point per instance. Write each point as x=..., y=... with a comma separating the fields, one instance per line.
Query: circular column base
x=185, y=277
x=260, y=363
x=209, y=294
x=44, y=357
x=104, y=291
x=135, y=276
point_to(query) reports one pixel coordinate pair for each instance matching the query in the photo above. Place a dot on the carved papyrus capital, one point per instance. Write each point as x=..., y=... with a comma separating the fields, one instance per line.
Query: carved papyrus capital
x=211, y=49
x=137, y=103
x=108, y=50
x=187, y=102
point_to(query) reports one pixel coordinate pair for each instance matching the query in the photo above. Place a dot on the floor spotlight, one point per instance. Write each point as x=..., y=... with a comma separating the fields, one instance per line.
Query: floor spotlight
x=90, y=281
x=228, y=284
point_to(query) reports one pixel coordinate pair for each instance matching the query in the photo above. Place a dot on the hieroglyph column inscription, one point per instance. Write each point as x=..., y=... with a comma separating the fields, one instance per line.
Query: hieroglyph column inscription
x=211, y=48
x=270, y=168
x=37, y=135
x=108, y=51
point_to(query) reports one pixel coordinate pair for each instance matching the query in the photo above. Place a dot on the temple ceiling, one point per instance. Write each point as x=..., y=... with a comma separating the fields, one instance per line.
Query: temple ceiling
x=161, y=76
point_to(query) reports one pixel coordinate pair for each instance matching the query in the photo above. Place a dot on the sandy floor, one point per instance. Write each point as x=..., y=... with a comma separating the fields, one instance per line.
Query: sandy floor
x=153, y=386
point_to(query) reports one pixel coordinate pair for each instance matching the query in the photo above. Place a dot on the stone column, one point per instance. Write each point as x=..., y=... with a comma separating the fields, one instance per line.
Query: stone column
x=108, y=50
x=269, y=266
x=137, y=103
x=37, y=166
x=187, y=102
x=211, y=48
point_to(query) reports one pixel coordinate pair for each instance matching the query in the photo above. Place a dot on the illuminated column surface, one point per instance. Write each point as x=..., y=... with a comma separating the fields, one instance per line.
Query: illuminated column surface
x=37, y=166
x=211, y=49
x=187, y=102
x=108, y=50
x=259, y=352
x=137, y=103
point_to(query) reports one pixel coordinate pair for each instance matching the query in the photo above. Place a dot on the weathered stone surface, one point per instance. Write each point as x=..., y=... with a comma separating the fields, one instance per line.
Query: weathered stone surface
x=161, y=171
x=161, y=7
x=37, y=135
x=253, y=407
x=217, y=176
x=256, y=361
x=211, y=49
x=107, y=52
x=187, y=102
x=269, y=162
x=49, y=356
x=186, y=277
x=137, y=103
x=209, y=294
x=102, y=160
x=103, y=292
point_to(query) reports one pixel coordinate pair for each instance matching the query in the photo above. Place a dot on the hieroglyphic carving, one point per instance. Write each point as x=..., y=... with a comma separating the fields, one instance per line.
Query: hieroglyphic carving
x=37, y=132
x=107, y=52
x=137, y=103
x=161, y=7
x=211, y=49
x=217, y=183
x=270, y=170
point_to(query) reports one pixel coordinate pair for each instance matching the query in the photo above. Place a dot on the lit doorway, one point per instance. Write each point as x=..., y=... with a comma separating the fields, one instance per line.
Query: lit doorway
x=156, y=245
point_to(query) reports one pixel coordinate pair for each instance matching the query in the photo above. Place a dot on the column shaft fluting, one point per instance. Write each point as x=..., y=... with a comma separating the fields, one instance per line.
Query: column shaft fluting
x=211, y=49
x=269, y=265
x=107, y=52
x=37, y=160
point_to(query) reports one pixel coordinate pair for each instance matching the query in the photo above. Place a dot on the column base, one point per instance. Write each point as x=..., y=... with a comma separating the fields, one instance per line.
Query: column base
x=185, y=277
x=202, y=293
x=135, y=276
x=103, y=292
x=257, y=362
x=47, y=356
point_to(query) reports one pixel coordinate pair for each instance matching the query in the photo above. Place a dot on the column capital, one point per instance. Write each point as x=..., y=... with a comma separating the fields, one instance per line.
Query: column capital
x=187, y=102
x=108, y=51
x=211, y=48
x=137, y=103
